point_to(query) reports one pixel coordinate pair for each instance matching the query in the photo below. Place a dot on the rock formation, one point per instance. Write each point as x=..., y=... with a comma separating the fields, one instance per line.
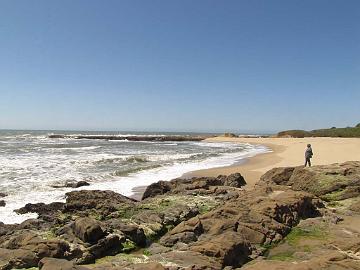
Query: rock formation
x=162, y=138
x=72, y=184
x=294, y=218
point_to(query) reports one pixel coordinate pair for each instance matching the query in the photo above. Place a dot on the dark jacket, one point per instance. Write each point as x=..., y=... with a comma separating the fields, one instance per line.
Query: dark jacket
x=308, y=153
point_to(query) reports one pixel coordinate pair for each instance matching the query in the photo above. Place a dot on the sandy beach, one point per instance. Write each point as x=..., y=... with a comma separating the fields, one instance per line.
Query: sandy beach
x=286, y=152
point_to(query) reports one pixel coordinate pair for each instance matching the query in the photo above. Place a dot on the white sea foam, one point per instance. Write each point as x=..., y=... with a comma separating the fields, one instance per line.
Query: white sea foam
x=37, y=162
x=125, y=185
x=80, y=148
x=172, y=157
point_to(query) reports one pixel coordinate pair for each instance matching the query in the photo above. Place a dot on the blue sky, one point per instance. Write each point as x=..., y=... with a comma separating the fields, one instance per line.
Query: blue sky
x=179, y=65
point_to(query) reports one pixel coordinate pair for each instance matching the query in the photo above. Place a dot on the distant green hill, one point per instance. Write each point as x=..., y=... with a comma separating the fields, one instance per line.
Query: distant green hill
x=348, y=132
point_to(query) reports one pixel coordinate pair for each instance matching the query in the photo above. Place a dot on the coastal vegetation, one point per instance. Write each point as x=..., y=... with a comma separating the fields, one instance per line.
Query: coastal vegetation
x=230, y=135
x=347, y=132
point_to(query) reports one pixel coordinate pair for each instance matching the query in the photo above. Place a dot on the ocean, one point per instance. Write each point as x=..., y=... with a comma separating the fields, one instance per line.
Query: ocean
x=31, y=163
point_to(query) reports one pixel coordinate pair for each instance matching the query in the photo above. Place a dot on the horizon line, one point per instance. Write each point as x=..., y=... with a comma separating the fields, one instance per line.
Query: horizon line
x=244, y=132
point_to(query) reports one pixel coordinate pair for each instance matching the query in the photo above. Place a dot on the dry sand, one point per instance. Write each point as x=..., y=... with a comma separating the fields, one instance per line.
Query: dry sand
x=286, y=152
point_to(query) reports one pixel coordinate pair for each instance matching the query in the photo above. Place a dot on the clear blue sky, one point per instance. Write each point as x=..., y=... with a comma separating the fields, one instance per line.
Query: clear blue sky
x=179, y=65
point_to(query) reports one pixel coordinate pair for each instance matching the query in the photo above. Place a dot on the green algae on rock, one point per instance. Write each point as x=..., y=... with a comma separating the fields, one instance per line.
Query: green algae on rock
x=199, y=223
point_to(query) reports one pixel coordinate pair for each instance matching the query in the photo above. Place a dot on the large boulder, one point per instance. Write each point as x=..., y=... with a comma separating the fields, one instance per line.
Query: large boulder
x=40, y=208
x=2, y=203
x=29, y=240
x=105, y=202
x=33, y=224
x=234, y=180
x=157, y=188
x=186, y=232
x=131, y=231
x=199, y=185
x=155, y=216
x=187, y=259
x=72, y=184
x=19, y=258
x=59, y=264
x=279, y=176
x=21, y=239
x=321, y=180
x=88, y=230
x=236, y=231
x=230, y=248
x=149, y=266
x=333, y=182
x=110, y=245
x=6, y=229
x=288, y=208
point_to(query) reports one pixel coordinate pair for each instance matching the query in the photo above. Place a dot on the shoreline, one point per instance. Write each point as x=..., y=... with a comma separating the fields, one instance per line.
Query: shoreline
x=285, y=152
x=250, y=167
x=139, y=190
x=132, y=185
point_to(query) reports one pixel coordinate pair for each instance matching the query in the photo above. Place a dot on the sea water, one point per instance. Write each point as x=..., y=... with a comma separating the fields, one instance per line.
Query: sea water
x=31, y=164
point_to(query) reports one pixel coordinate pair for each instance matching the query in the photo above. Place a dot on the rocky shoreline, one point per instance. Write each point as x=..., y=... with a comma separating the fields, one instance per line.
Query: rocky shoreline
x=294, y=218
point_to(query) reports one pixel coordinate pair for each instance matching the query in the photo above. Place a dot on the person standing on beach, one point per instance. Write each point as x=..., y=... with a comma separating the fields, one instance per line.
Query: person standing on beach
x=308, y=155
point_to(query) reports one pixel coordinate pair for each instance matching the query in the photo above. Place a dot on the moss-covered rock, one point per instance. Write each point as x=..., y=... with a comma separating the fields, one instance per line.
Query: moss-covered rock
x=208, y=223
x=334, y=182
